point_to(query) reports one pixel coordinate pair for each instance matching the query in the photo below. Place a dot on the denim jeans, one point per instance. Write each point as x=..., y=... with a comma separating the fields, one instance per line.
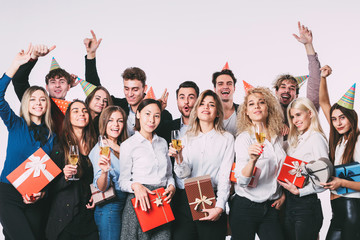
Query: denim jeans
x=248, y=218
x=303, y=217
x=108, y=217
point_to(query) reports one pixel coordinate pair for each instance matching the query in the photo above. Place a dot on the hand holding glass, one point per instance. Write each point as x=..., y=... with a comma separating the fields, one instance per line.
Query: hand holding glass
x=260, y=133
x=105, y=149
x=73, y=159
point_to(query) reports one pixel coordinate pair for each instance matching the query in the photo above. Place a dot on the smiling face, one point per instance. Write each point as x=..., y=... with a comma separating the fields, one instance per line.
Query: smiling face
x=256, y=108
x=58, y=87
x=225, y=87
x=37, y=105
x=149, y=118
x=79, y=116
x=301, y=119
x=185, y=100
x=134, y=91
x=340, y=122
x=207, y=111
x=286, y=92
x=115, y=125
x=98, y=102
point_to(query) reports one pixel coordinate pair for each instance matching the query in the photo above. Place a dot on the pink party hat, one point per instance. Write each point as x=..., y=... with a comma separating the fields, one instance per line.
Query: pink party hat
x=347, y=101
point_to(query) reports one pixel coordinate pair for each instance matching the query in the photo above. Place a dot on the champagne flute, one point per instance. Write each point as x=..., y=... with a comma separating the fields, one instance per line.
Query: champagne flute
x=176, y=141
x=260, y=133
x=73, y=159
x=105, y=149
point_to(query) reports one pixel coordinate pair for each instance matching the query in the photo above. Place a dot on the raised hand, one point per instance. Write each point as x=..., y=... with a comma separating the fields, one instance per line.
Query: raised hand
x=20, y=59
x=325, y=71
x=91, y=45
x=305, y=35
x=163, y=99
x=74, y=81
x=41, y=50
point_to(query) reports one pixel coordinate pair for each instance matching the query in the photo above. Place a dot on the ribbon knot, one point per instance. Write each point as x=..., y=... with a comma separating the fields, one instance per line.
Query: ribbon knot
x=298, y=169
x=347, y=176
x=203, y=199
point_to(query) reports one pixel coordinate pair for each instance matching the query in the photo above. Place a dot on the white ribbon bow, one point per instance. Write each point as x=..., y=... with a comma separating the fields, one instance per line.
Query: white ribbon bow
x=298, y=168
x=35, y=165
x=204, y=199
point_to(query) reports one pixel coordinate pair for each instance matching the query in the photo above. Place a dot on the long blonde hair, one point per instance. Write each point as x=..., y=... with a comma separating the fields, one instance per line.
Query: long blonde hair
x=303, y=104
x=194, y=122
x=275, y=118
x=24, y=109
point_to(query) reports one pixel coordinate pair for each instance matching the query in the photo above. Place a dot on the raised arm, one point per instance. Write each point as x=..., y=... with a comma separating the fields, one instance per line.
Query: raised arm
x=91, y=45
x=324, y=93
x=305, y=37
x=21, y=78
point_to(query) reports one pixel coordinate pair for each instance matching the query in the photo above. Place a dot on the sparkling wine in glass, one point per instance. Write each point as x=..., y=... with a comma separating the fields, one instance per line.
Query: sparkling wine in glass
x=73, y=159
x=105, y=149
x=175, y=139
x=260, y=133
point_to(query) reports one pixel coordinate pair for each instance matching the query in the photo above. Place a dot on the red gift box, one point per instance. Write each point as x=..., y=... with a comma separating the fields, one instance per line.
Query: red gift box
x=291, y=170
x=34, y=173
x=200, y=195
x=254, y=179
x=159, y=213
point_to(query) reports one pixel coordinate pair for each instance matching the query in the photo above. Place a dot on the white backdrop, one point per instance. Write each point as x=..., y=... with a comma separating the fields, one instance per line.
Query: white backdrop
x=174, y=41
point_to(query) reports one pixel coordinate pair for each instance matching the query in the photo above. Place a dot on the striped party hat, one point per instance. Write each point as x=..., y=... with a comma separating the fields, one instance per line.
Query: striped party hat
x=247, y=86
x=226, y=66
x=347, y=101
x=62, y=104
x=301, y=80
x=150, y=94
x=54, y=64
x=86, y=86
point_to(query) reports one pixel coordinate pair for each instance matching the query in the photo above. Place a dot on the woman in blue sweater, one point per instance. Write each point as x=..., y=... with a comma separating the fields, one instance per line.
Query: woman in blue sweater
x=22, y=217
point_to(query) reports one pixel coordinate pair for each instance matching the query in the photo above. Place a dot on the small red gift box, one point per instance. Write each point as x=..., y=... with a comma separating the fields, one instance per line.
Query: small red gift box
x=254, y=179
x=159, y=213
x=34, y=173
x=200, y=195
x=291, y=170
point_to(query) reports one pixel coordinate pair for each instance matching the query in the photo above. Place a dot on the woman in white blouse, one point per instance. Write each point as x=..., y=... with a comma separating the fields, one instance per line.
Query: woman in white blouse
x=207, y=150
x=254, y=210
x=306, y=142
x=344, y=145
x=145, y=166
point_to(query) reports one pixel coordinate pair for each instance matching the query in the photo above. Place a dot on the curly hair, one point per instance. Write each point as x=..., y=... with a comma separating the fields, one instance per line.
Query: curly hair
x=134, y=73
x=275, y=118
x=58, y=73
x=278, y=81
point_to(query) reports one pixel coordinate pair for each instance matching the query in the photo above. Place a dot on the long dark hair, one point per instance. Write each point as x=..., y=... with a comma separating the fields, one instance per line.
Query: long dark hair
x=104, y=119
x=352, y=135
x=68, y=136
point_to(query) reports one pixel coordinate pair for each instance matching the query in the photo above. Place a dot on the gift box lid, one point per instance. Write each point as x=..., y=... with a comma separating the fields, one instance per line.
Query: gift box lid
x=195, y=179
x=319, y=171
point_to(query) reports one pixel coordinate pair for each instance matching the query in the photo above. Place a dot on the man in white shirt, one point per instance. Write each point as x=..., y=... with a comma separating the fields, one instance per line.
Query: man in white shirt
x=224, y=85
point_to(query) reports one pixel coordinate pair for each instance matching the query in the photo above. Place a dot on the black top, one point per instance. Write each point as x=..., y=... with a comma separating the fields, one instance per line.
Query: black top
x=69, y=198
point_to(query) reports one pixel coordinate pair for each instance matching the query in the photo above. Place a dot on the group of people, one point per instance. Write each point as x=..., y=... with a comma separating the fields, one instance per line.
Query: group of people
x=215, y=133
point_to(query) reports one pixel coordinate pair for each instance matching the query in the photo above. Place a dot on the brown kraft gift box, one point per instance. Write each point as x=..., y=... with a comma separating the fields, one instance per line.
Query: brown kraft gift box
x=200, y=195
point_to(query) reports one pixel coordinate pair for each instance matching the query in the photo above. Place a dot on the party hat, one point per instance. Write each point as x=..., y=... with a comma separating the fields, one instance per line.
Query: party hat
x=62, y=104
x=226, y=66
x=247, y=86
x=86, y=86
x=347, y=101
x=150, y=94
x=301, y=80
x=54, y=64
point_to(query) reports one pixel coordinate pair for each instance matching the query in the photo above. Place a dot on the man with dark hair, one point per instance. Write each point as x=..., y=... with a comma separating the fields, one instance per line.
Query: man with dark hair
x=58, y=83
x=134, y=87
x=224, y=85
x=186, y=96
x=287, y=87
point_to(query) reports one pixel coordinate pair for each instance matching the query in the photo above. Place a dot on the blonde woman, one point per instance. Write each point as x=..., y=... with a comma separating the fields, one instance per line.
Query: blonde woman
x=23, y=217
x=208, y=150
x=255, y=210
x=307, y=142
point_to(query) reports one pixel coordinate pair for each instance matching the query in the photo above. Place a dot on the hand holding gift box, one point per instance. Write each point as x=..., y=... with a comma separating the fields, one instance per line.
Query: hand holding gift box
x=159, y=213
x=254, y=178
x=200, y=195
x=319, y=171
x=292, y=170
x=34, y=173
x=350, y=172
